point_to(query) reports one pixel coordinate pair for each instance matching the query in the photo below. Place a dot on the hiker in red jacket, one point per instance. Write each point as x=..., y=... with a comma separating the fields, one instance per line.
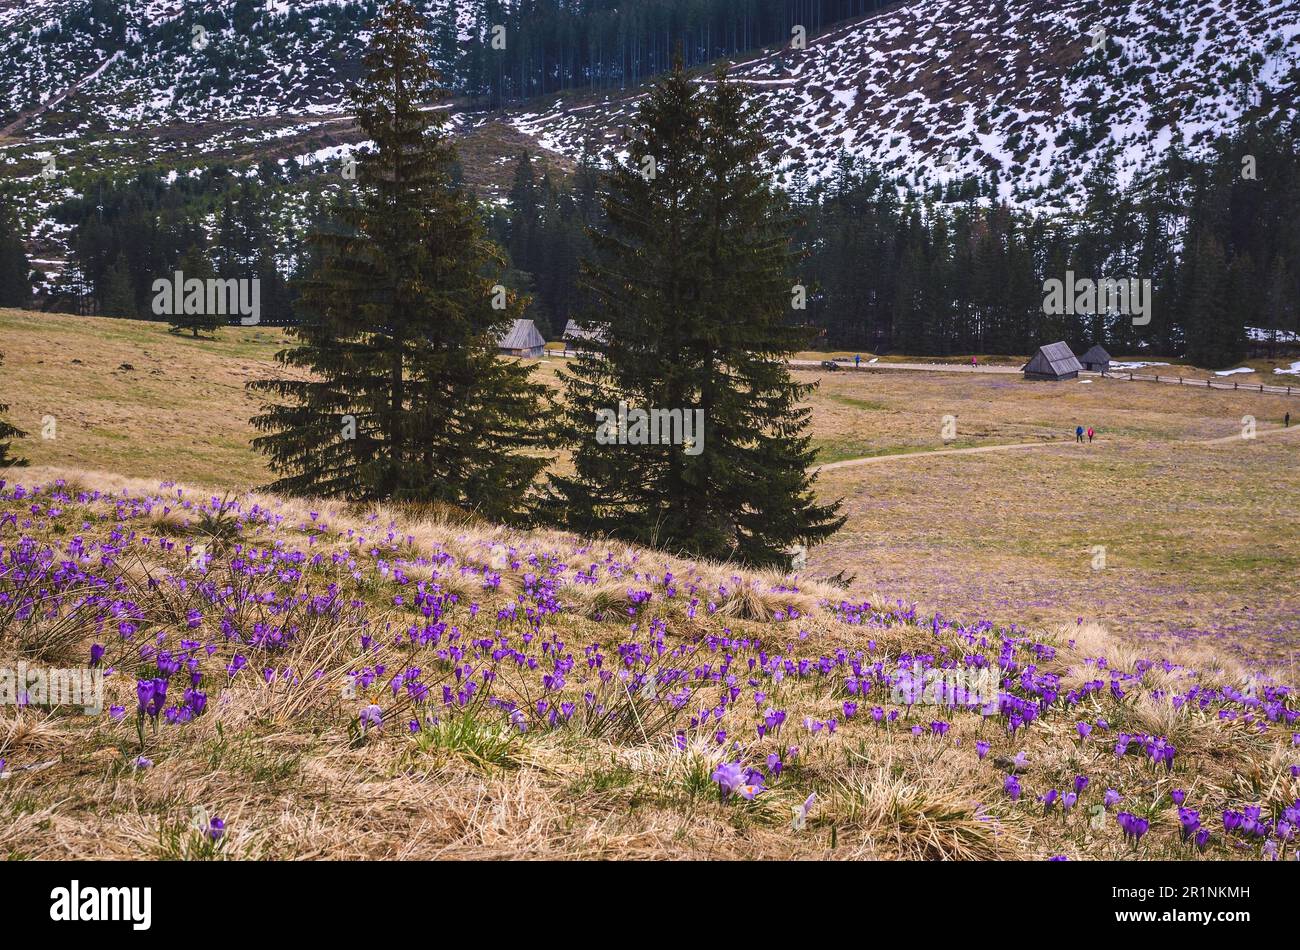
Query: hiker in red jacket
x=1091, y=433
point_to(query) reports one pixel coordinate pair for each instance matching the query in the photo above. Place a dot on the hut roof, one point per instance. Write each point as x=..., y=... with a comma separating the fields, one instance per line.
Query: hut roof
x=1095, y=355
x=574, y=332
x=522, y=335
x=1053, y=359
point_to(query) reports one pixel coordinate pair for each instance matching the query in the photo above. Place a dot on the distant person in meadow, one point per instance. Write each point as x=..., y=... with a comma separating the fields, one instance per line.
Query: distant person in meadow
x=972, y=362
x=1078, y=433
x=1091, y=433
x=857, y=360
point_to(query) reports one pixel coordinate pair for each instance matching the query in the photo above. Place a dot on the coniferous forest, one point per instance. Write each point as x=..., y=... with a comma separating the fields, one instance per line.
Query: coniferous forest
x=887, y=270
x=614, y=44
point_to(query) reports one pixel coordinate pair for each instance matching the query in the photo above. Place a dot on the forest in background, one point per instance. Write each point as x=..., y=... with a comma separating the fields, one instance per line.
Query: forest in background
x=886, y=269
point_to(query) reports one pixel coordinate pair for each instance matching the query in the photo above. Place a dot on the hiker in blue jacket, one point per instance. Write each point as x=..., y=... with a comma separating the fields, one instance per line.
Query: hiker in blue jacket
x=1078, y=433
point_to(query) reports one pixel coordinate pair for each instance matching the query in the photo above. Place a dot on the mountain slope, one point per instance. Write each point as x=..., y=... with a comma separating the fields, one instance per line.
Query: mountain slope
x=162, y=61
x=938, y=89
x=1023, y=90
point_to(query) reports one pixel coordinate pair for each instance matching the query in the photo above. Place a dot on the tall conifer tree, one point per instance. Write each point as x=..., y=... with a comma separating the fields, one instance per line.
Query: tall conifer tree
x=195, y=265
x=119, y=292
x=693, y=282
x=406, y=397
x=15, y=285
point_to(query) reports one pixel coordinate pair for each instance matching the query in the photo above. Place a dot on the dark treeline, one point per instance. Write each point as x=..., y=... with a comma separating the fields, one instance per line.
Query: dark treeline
x=1216, y=241
x=545, y=230
x=493, y=50
x=129, y=233
x=885, y=270
x=904, y=272
x=552, y=45
x=15, y=272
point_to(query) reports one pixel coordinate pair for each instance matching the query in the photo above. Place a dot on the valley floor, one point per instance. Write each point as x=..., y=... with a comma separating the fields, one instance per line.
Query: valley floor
x=341, y=681
x=1201, y=541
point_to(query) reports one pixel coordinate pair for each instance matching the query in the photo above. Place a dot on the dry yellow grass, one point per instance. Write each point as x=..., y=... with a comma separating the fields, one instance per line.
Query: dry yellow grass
x=181, y=407
x=1200, y=540
x=278, y=756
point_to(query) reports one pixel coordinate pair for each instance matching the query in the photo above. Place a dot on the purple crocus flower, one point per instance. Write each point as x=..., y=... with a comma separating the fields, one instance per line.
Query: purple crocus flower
x=1178, y=795
x=1111, y=798
x=801, y=812
x=981, y=748
x=729, y=776
x=1084, y=729
x=1133, y=826
x=371, y=717
x=216, y=828
x=1080, y=783
x=152, y=696
x=1049, y=800
x=1012, y=786
x=96, y=654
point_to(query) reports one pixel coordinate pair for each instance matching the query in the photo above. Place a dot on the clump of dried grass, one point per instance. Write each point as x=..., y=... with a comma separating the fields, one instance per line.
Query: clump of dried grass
x=902, y=819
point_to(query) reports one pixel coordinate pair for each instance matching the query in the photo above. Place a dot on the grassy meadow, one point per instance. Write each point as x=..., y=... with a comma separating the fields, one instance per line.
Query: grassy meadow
x=1185, y=525
x=341, y=681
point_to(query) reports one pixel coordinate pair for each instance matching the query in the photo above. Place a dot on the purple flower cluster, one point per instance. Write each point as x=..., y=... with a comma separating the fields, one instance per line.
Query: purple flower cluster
x=476, y=629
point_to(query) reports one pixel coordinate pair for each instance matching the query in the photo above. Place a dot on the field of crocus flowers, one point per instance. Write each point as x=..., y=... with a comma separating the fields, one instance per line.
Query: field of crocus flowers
x=285, y=679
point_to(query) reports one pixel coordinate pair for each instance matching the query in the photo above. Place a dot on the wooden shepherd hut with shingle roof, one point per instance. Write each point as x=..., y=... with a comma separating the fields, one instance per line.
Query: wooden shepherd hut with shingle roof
x=1096, y=360
x=1052, y=361
x=522, y=339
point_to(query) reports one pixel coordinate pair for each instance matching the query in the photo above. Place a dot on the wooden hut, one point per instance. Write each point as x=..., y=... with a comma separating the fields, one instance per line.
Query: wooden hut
x=522, y=339
x=578, y=338
x=1052, y=361
x=1096, y=360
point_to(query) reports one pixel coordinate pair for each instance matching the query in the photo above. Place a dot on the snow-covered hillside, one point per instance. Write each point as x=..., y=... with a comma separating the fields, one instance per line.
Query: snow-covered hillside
x=1032, y=93
x=159, y=61
x=1036, y=92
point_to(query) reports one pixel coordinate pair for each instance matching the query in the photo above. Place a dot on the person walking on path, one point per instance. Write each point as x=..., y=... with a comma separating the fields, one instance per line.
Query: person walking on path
x=1286, y=423
x=857, y=360
x=1091, y=433
x=973, y=361
x=1078, y=433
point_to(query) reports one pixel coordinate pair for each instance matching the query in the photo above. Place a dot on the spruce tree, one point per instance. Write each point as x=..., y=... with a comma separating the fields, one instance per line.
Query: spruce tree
x=15, y=283
x=405, y=397
x=692, y=279
x=1216, y=336
x=8, y=432
x=195, y=265
x=119, y=293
